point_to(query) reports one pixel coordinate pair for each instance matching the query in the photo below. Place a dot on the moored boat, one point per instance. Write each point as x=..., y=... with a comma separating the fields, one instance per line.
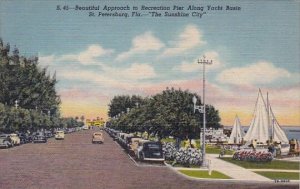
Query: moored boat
x=264, y=132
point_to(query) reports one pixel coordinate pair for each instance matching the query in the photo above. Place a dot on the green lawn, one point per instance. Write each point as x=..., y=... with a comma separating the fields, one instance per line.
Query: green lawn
x=204, y=174
x=168, y=140
x=275, y=164
x=279, y=175
x=180, y=165
x=216, y=150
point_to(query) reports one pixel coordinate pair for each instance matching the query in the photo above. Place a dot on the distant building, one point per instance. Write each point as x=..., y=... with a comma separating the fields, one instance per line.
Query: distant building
x=95, y=122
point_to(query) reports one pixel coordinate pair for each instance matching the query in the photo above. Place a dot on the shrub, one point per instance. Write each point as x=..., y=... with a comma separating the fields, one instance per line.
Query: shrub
x=184, y=156
x=188, y=156
x=253, y=156
x=169, y=151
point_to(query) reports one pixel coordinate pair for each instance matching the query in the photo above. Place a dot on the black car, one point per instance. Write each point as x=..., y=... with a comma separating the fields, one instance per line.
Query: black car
x=24, y=138
x=49, y=134
x=150, y=151
x=39, y=137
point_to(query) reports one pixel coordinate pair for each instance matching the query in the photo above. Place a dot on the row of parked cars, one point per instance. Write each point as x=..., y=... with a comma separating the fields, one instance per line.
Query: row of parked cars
x=15, y=139
x=142, y=149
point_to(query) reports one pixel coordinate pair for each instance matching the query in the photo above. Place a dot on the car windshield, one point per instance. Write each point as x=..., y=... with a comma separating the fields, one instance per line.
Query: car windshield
x=153, y=146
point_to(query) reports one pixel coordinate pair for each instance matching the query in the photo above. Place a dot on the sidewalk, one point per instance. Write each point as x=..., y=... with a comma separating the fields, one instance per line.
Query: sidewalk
x=292, y=159
x=233, y=171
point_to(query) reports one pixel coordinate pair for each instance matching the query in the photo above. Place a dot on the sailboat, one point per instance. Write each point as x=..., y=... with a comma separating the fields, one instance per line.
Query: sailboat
x=264, y=126
x=237, y=133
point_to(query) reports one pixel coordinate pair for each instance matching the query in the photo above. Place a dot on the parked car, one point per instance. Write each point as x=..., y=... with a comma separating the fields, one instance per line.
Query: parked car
x=4, y=143
x=48, y=134
x=60, y=135
x=24, y=138
x=39, y=137
x=134, y=143
x=15, y=139
x=7, y=138
x=150, y=151
x=98, y=138
x=85, y=127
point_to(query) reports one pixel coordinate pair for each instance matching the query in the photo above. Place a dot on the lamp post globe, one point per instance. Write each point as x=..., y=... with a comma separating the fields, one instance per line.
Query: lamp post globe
x=194, y=100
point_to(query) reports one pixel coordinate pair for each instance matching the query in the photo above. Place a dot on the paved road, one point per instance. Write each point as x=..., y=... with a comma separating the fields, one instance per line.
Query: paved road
x=76, y=163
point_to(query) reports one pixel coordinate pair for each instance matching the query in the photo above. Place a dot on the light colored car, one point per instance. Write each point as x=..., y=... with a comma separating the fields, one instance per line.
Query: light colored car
x=4, y=143
x=60, y=135
x=134, y=143
x=15, y=139
x=98, y=137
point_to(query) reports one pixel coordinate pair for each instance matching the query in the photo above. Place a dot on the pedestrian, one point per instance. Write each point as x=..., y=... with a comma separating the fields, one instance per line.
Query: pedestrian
x=270, y=148
x=279, y=150
x=222, y=152
x=254, y=144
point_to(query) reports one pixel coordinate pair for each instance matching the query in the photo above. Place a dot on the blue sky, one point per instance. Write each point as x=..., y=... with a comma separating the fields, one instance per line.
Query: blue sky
x=96, y=58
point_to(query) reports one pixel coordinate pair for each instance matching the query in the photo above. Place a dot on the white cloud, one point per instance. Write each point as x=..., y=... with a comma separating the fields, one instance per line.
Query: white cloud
x=141, y=44
x=139, y=71
x=195, y=67
x=46, y=60
x=88, y=56
x=258, y=73
x=188, y=39
x=136, y=71
x=113, y=78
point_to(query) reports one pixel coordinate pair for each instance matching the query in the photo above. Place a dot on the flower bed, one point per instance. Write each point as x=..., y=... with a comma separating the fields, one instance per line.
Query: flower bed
x=183, y=156
x=169, y=151
x=253, y=156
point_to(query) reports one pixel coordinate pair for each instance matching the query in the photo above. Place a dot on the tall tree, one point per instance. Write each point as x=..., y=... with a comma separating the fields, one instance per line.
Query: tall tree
x=120, y=104
x=22, y=79
x=170, y=112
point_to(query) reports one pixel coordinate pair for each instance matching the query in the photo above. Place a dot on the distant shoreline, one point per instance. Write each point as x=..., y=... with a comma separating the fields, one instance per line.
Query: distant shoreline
x=280, y=125
x=293, y=130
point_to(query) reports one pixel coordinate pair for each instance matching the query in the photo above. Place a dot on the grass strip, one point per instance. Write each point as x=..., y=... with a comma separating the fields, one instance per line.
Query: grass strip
x=168, y=140
x=279, y=175
x=275, y=164
x=217, y=150
x=204, y=174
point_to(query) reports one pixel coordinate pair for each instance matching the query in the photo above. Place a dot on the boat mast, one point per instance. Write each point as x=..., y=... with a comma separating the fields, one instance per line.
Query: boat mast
x=270, y=123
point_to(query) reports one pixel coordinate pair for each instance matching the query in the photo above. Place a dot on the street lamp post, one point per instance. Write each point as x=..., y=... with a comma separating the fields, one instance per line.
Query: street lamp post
x=16, y=104
x=201, y=109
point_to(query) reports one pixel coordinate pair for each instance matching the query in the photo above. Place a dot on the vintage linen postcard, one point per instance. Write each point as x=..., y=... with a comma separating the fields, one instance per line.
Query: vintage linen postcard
x=128, y=94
